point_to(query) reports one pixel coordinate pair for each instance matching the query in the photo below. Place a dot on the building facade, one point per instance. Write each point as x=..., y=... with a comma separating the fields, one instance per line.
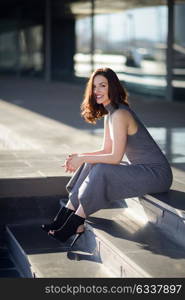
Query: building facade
x=143, y=41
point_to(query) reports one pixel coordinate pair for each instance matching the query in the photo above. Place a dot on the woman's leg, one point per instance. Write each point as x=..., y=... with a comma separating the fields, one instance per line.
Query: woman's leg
x=70, y=205
x=73, y=226
x=80, y=212
x=106, y=183
x=77, y=180
x=73, y=204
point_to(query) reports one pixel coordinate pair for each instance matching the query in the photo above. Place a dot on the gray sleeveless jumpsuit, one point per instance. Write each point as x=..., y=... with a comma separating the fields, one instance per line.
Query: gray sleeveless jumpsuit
x=145, y=171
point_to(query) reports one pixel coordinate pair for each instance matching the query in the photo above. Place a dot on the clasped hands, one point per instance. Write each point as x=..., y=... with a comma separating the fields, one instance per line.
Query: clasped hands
x=72, y=162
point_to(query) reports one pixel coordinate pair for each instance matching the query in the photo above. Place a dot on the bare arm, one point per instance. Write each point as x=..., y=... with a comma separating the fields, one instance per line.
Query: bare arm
x=106, y=148
x=107, y=142
x=116, y=147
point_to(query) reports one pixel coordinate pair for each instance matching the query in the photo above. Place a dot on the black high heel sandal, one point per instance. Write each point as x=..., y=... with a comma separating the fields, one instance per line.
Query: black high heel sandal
x=69, y=229
x=59, y=220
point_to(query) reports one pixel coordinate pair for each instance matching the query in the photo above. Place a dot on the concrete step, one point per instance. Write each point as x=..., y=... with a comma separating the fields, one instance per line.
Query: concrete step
x=114, y=245
x=164, y=210
x=26, y=210
x=7, y=266
x=33, y=185
x=38, y=255
x=144, y=249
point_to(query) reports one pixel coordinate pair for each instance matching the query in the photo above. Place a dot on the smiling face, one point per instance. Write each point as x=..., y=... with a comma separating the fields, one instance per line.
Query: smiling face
x=100, y=90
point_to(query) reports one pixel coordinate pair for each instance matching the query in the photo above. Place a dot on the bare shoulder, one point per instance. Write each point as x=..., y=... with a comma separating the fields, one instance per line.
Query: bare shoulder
x=120, y=114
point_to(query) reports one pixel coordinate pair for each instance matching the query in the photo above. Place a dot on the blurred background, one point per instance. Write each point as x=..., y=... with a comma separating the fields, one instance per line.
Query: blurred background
x=143, y=41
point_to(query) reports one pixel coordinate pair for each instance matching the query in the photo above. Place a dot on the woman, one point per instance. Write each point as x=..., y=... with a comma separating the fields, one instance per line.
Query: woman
x=130, y=163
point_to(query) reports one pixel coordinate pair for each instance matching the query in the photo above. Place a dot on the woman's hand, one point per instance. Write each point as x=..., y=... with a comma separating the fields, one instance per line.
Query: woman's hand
x=66, y=165
x=72, y=162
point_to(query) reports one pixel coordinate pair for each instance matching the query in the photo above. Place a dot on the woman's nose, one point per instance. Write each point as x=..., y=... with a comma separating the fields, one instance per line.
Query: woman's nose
x=96, y=90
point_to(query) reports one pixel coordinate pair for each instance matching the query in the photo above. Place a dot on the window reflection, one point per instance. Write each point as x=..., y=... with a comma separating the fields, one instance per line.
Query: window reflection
x=31, y=43
x=179, y=51
x=8, y=51
x=132, y=42
x=21, y=51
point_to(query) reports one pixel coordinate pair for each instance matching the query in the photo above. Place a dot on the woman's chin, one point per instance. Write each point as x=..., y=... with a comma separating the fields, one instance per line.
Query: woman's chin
x=99, y=102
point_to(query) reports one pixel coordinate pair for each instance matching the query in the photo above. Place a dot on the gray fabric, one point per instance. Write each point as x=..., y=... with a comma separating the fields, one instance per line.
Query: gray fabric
x=96, y=186
x=141, y=147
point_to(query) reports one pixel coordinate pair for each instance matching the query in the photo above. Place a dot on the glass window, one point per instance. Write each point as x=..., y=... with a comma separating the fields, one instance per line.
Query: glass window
x=132, y=42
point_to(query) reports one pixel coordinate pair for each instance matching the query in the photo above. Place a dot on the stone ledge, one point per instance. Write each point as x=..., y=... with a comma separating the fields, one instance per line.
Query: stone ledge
x=156, y=209
x=33, y=186
x=107, y=249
